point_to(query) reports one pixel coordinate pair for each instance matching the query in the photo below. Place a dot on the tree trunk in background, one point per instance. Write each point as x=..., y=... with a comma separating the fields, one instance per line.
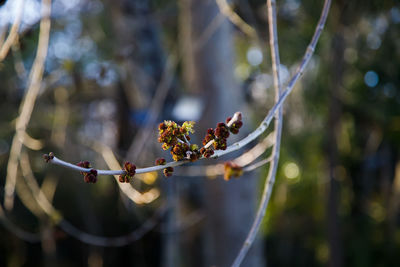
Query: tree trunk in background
x=334, y=233
x=230, y=206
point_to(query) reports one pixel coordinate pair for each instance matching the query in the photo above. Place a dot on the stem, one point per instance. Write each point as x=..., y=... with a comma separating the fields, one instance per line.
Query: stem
x=269, y=182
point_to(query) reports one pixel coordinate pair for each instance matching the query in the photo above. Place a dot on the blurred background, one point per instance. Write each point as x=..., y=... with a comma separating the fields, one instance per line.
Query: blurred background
x=115, y=69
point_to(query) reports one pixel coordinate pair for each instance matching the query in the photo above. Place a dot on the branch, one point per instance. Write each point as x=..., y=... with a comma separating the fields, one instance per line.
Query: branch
x=235, y=19
x=13, y=34
x=28, y=103
x=269, y=182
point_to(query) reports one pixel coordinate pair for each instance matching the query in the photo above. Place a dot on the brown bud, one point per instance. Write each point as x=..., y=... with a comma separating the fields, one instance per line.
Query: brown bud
x=48, y=157
x=168, y=171
x=160, y=161
x=130, y=168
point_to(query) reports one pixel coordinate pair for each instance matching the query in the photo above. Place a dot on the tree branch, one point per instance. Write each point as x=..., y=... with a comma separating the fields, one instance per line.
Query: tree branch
x=28, y=103
x=235, y=19
x=13, y=34
x=269, y=182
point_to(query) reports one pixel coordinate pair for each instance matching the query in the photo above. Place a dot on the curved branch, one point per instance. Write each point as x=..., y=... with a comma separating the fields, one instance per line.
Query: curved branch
x=269, y=182
x=235, y=19
x=35, y=78
x=13, y=34
x=22, y=234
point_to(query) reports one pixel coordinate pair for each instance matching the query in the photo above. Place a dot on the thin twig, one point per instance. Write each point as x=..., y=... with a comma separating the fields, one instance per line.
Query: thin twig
x=13, y=34
x=114, y=241
x=28, y=103
x=235, y=19
x=269, y=182
x=258, y=164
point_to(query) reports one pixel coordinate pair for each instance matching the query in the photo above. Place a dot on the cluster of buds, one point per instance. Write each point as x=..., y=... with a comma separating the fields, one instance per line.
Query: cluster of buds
x=232, y=169
x=176, y=137
x=221, y=135
x=218, y=137
x=48, y=157
x=168, y=170
x=88, y=177
x=207, y=151
x=234, y=126
x=130, y=170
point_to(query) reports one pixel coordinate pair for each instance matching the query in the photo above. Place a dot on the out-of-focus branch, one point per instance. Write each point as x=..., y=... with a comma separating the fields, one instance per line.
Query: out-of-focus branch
x=3, y=31
x=209, y=31
x=270, y=179
x=235, y=19
x=61, y=116
x=243, y=160
x=13, y=34
x=126, y=189
x=31, y=142
x=28, y=103
x=22, y=234
x=18, y=63
x=114, y=241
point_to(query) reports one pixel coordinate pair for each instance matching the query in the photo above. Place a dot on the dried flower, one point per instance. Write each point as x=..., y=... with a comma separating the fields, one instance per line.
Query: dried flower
x=168, y=171
x=232, y=169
